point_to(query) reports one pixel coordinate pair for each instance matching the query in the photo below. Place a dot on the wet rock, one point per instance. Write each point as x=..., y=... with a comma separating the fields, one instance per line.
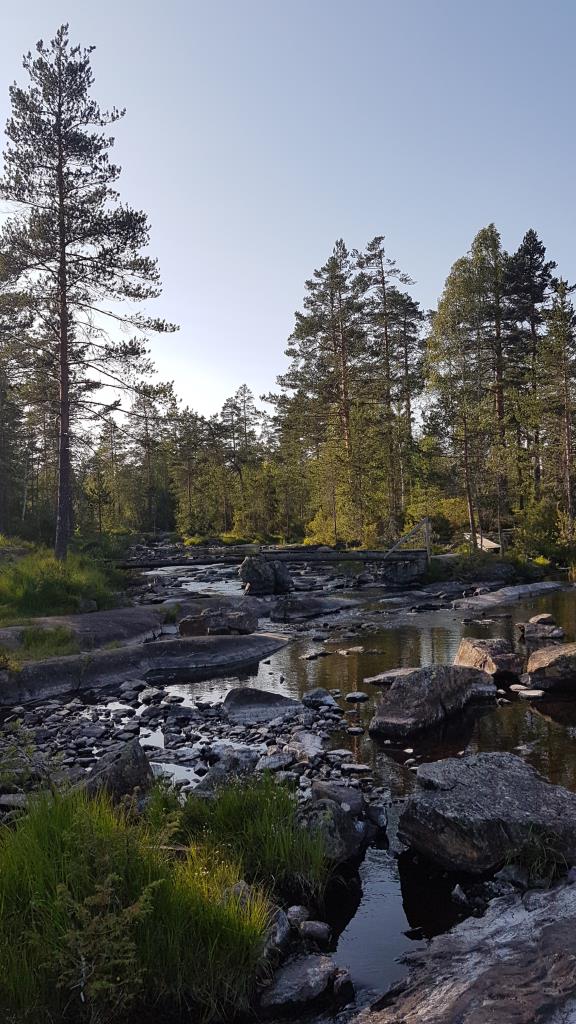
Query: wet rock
x=495, y=656
x=279, y=761
x=300, y=983
x=297, y=914
x=553, y=668
x=343, y=835
x=426, y=696
x=121, y=771
x=535, y=634
x=250, y=704
x=262, y=576
x=542, y=619
x=345, y=796
x=278, y=935
x=476, y=813
x=319, y=698
x=316, y=931
x=390, y=676
x=298, y=609
x=219, y=622
x=231, y=764
x=357, y=697
x=515, y=965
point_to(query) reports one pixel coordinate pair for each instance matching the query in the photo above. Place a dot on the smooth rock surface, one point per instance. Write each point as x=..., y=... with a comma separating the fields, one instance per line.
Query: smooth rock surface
x=426, y=696
x=495, y=656
x=553, y=668
x=250, y=704
x=299, y=983
x=477, y=813
x=515, y=965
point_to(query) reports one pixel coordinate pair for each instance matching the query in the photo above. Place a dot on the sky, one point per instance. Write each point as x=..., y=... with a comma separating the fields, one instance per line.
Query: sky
x=258, y=132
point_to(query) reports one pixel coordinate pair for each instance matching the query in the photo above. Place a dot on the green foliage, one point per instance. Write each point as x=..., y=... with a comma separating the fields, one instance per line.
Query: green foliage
x=39, y=585
x=37, y=643
x=99, y=921
x=541, y=856
x=256, y=821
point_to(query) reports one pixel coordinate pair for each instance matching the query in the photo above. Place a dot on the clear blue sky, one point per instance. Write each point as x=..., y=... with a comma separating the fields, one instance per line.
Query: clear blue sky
x=259, y=131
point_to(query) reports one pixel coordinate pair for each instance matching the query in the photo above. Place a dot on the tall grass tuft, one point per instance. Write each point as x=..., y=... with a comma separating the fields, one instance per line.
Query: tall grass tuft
x=256, y=820
x=38, y=584
x=98, y=922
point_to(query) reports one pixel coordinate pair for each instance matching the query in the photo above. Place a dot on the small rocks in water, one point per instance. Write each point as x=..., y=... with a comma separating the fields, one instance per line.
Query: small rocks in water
x=278, y=933
x=357, y=697
x=316, y=931
x=151, y=693
x=531, y=694
x=319, y=698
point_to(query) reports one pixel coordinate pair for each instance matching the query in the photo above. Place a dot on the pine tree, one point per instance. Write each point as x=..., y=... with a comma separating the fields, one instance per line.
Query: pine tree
x=73, y=247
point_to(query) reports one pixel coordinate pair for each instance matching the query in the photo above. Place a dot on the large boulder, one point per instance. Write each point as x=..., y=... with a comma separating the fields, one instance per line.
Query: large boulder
x=515, y=965
x=475, y=814
x=423, y=698
x=264, y=576
x=219, y=622
x=343, y=835
x=121, y=771
x=497, y=656
x=249, y=704
x=553, y=668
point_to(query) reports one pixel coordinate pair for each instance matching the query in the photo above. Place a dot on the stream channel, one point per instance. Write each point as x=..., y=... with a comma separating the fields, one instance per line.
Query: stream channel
x=403, y=902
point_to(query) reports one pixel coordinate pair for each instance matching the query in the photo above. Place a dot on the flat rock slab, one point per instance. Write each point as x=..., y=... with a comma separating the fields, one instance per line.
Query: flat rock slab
x=506, y=595
x=188, y=660
x=515, y=965
x=390, y=676
x=423, y=698
x=299, y=609
x=553, y=668
x=496, y=656
x=476, y=813
x=249, y=704
x=94, y=629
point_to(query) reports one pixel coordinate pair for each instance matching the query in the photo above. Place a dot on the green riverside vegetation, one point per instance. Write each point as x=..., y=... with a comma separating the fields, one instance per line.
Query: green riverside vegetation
x=38, y=584
x=106, y=915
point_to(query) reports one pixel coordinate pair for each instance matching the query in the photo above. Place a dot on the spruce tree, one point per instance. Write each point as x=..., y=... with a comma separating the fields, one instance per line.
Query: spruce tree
x=72, y=246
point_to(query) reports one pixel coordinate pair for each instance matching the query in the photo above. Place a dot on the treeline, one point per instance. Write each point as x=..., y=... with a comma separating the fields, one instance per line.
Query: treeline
x=386, y=412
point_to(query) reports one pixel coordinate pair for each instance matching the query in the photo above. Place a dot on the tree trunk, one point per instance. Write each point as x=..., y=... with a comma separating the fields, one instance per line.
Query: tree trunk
x=64, y=512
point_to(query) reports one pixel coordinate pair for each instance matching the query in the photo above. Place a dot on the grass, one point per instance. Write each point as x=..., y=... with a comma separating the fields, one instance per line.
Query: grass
x=37, y=643
x=541, y=856
x=40, y=585
x=100, y=923
x=256, y=821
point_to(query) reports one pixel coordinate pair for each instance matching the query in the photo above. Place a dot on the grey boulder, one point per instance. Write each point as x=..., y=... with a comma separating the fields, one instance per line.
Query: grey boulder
x=477, y=813
x=250, y=704
x=219, y=622
x=343, y=835
x=300, y=983
x=423, y=698
x=121, y=771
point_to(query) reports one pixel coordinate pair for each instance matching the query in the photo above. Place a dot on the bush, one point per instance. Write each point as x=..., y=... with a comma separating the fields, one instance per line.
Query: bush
x=100, y=922
x=256, y=820
x=38, y=584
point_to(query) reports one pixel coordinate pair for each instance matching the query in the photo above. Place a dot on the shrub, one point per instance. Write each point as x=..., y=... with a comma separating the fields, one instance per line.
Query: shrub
x=256, y=820
x=40, y=585
x=99, y=922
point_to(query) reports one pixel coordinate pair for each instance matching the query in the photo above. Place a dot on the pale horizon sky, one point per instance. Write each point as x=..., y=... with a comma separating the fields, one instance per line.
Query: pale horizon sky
x=259, y=132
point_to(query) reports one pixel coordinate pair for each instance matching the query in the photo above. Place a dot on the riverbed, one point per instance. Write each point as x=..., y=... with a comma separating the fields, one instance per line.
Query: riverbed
x=402, y=902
